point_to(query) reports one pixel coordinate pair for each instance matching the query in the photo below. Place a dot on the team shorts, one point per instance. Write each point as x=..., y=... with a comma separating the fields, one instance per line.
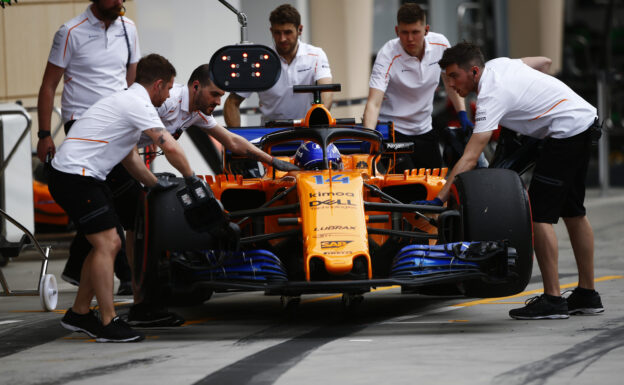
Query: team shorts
x=87, y=201
x=126, y=192
x=426, y=151
x=558, y=185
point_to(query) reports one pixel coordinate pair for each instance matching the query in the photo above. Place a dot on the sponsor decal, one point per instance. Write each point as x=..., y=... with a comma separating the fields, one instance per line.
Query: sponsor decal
x=331, y=194
x=304, y=69
x=336, y=252
x=332, y=202
x=480, y=119
x=334, y=244
x=333, y=228
x=338, y=178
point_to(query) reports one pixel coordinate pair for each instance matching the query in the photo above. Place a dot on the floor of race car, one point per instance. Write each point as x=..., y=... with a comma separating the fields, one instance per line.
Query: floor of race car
x=248, y=338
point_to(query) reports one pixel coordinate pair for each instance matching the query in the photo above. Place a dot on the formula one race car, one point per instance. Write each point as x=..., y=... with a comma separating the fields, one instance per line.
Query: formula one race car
x=343, y=224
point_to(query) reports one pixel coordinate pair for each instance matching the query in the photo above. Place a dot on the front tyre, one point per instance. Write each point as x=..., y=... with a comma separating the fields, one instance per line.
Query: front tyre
x=494, y=205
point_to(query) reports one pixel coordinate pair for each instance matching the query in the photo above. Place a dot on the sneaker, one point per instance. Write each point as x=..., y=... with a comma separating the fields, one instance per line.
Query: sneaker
x=542, y=307
x=119, y=331
x=151, y=316
x=584, y=301
x=125, y=288
x=85, y=323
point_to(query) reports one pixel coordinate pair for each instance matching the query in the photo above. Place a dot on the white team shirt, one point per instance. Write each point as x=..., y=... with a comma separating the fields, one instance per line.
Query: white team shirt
x=94, y=59
x=529, y=102
x=408, y=83
x=175, y=114
x=279, y=102
x=106, y=133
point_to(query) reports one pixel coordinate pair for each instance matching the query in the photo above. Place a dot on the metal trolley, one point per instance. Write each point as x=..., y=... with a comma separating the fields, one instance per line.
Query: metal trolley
x=47, y=289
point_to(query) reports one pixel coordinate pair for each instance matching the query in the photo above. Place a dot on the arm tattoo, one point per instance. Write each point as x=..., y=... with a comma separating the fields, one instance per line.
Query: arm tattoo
x=161, y=140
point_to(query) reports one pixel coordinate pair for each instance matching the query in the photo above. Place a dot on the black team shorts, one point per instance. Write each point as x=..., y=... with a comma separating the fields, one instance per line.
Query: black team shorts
x=558, y=185
x=87, y=201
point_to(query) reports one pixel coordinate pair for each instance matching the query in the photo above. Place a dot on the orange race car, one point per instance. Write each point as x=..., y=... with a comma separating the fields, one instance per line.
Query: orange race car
x=343, y=224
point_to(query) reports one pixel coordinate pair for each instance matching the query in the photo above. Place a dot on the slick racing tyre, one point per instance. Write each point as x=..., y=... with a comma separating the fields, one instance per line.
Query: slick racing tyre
x=161, y=228
x=494, y=205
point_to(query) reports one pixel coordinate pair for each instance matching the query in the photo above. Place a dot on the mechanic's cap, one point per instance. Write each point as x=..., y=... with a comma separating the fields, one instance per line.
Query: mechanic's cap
x=309, y=156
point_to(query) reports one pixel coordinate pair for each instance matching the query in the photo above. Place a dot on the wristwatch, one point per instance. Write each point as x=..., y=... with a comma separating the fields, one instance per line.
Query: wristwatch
x=43, y=134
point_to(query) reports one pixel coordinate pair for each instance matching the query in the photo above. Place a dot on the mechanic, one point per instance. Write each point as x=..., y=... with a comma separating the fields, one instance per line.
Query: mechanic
x=105, y=135
x=533, y=103
x=302, y=64
x=402, y=85
x=97, y=53
x=188, y=105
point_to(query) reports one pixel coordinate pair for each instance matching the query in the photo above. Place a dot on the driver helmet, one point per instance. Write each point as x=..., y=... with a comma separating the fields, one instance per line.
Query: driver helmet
x=309, y=156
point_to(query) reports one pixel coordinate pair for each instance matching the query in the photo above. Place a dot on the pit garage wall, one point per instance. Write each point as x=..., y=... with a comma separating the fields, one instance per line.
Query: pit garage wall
x=189, y=31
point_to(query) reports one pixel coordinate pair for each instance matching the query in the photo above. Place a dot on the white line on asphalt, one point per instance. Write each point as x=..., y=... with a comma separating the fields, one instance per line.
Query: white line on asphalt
x=360, y=340
x=10, y=321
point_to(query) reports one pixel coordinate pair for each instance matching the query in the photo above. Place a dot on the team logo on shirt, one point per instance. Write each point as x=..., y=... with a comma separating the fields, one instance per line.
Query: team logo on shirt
x=480, y=115
x=304, y=69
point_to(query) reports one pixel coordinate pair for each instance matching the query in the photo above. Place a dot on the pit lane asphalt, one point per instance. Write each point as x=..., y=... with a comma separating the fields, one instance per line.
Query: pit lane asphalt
x=247, y=338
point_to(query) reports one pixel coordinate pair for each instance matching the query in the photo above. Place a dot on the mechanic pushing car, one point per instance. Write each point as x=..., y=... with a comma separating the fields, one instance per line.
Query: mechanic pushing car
x=77, y=51
x=516, y=95
x=188, y=105
x=302, y=64
x=105, y=135
x=402, y=84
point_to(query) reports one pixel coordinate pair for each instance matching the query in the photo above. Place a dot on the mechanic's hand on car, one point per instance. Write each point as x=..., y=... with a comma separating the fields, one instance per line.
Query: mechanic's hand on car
x=163, y=183
x=464, y=121
x=433, y=202
x=283, y=165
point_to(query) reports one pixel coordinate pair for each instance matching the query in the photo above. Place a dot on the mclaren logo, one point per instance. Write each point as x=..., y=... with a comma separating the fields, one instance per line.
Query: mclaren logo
x=334, y=244
x=332, y=202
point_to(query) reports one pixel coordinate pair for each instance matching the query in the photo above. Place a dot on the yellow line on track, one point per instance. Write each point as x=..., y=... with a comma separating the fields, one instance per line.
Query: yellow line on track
x=529, y=292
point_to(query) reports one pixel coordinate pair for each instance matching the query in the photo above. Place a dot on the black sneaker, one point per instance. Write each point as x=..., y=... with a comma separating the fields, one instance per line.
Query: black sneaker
x=584, y=301
x=151, y=316
x=86, y=323
x=119, y=331
x=542, y=307
x=125, y=288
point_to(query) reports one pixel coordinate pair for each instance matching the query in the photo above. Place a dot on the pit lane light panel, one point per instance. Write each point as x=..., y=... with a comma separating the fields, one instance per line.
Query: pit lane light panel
x=245, y=68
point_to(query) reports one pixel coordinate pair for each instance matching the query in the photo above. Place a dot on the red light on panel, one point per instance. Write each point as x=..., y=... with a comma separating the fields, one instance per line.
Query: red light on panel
x=256, y=65
x=265, y=57
x=245, y=54
x=232, y=65
x=225, y=58
x=257, y=74
x=233, y=74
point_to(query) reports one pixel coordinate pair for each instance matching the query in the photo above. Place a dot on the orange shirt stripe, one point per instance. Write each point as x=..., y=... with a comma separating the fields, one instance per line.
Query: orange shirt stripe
x=202, y=116
x=67, y=38
x=87, y=140
x=550, y=109
x=391, y=63
x=443, y=45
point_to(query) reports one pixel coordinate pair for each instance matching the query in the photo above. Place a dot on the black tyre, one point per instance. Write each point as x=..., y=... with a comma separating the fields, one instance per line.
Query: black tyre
x=161, y=227
x=494, y=205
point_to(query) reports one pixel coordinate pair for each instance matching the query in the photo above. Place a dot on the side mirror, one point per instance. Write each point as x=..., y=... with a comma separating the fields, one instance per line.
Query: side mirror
x=245, y=67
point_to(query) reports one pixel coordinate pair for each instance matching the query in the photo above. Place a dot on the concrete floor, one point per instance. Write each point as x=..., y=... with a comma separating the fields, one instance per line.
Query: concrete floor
x=247, y=338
